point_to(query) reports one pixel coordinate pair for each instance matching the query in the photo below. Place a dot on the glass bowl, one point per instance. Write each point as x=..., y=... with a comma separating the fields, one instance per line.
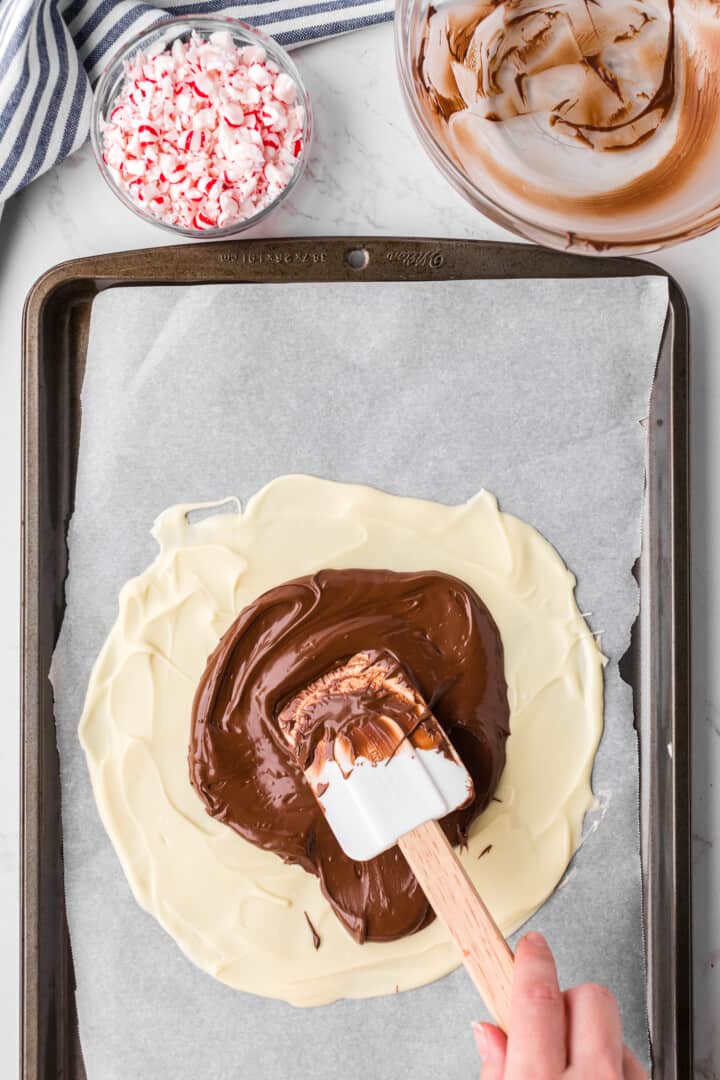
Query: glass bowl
x=565, y=194
x=160, y=36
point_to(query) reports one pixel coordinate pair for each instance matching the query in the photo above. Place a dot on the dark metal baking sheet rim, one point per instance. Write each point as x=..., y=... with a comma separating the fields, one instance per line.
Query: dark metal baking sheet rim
x=55, y=329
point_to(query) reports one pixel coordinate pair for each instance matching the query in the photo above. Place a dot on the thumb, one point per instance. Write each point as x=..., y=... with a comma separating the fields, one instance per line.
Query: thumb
x=491, y=1046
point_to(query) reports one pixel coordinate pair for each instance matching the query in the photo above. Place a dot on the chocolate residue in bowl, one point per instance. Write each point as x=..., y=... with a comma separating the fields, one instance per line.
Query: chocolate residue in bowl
x=597, y=119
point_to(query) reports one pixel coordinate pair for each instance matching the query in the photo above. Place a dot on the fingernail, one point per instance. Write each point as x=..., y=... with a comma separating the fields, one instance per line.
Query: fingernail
x=534, y=938
x=481, y=1040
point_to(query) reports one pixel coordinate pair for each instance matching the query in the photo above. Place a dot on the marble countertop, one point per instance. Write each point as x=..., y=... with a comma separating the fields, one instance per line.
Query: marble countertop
x=367, y=175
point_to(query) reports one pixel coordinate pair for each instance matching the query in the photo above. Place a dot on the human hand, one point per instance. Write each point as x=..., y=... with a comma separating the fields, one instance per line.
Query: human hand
x=575, y=1035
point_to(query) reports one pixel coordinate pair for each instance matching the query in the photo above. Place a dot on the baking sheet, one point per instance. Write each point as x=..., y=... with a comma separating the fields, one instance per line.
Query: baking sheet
x=534, y=389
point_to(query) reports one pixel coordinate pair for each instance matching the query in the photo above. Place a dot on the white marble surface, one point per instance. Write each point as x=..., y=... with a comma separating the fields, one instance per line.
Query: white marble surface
x=367, y=176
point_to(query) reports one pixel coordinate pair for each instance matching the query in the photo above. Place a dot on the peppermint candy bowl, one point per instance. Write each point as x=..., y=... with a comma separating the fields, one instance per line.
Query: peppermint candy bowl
x=201, y=126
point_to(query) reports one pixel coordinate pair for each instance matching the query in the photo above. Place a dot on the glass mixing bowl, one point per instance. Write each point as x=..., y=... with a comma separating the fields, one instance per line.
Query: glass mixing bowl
x=161, y=35
x=608, y=147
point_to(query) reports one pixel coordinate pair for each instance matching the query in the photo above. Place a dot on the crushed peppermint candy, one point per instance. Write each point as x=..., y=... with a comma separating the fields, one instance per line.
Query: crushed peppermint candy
x=205, y=134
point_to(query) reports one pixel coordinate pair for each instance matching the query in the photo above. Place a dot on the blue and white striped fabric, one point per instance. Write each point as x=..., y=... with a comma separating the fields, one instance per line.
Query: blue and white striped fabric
x=53, y=51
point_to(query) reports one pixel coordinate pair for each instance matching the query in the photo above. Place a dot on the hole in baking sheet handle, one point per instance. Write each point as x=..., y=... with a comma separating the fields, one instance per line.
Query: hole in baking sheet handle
x=357, y=258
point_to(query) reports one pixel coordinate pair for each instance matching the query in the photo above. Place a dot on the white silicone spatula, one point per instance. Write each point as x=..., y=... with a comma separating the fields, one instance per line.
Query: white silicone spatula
x=384, y=772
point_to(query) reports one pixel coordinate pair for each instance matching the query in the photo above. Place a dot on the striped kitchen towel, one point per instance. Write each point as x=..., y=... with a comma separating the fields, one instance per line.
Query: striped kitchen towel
x=53, y=51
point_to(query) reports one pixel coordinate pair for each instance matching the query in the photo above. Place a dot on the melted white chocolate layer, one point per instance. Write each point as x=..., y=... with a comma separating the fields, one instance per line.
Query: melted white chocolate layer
x=239, y=912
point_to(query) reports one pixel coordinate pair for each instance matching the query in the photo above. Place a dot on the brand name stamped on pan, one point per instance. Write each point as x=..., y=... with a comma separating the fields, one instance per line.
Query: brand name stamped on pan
x=274, y=258
x=417, y=260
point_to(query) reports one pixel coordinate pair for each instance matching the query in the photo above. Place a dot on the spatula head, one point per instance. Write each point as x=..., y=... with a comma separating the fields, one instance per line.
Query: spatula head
x=374, y=755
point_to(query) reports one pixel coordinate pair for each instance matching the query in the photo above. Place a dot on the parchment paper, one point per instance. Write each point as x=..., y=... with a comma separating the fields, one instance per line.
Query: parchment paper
x=535, y=390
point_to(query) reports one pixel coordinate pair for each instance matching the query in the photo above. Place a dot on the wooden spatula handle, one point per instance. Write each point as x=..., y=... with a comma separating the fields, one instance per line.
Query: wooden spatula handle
x=454, y=898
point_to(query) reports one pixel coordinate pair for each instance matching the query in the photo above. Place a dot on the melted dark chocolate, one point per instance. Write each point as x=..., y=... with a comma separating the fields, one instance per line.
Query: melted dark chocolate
x=246, y=774
x=316, y=939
